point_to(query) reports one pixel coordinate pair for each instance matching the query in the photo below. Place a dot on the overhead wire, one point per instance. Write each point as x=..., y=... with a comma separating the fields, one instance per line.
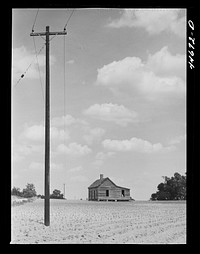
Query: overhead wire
x=23, y=74
x=69, y=19
x=64, y=63
x=64, y=76
x=64, y=26
x=35, y=20
x=38, y=68
x=64, y=96
x=37, y=53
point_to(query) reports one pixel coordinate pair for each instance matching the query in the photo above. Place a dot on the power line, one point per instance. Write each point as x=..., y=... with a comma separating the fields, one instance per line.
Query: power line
x=23, y=74
x=35, y=20
x=53, y=37
x=37, y=53
x=69, y=19
x=64, y=60
x=38, y=68
x=64, y=82
x=64, y=76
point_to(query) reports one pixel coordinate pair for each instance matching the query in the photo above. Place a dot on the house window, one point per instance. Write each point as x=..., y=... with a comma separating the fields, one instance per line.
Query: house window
x=107, y=193
x=123, y=193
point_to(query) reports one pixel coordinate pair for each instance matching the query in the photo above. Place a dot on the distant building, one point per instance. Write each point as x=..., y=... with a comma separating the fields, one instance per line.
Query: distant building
x=103, y=189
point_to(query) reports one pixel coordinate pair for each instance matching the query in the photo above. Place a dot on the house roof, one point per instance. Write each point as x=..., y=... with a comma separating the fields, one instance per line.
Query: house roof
x=98, y=182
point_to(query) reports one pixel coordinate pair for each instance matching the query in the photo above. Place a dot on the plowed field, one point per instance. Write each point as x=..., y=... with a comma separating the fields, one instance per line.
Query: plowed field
x=100, y=222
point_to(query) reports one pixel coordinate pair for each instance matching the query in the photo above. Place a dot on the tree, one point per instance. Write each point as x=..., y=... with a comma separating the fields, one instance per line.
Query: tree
x=173, y=188
x=29, y=191
x=56, y=194
x=16, y=191
x=153, y=196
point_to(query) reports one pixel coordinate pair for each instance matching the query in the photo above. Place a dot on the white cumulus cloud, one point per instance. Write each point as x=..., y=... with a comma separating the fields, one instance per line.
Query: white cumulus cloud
x=134, y=144
x=34, y=132
x=37, y=132
x=101, y=157
x=112, y=113
x=94, y=135
x=74, y=149
x=26, y=149
x=154, y=21
x=40, y=166
x=67, y=120
x=177, y=140
x=23, y=58
x=164, y=64
x=162, y=74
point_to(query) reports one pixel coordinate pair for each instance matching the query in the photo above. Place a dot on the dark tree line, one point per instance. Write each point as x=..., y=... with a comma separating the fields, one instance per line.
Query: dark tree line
x=55, y=195
x=173, y=188
x=30, y=192
x=27, y=192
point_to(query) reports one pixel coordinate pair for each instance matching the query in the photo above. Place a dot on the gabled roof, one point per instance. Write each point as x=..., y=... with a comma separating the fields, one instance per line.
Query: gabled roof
x=98, y=182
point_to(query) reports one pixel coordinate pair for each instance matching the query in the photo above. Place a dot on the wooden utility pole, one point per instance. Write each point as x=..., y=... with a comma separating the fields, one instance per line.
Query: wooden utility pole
x=64, y=189
x=47, y=125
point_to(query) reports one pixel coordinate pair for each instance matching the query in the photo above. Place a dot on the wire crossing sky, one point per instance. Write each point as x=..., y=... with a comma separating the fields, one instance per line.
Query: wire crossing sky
x=118, y=98
x=35, y=20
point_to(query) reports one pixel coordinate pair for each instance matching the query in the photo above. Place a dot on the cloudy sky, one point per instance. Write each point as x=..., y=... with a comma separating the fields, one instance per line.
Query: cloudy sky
x=118, y=98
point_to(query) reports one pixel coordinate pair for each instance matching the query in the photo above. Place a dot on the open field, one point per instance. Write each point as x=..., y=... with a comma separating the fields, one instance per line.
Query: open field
x=100, y=222
x=15, y=200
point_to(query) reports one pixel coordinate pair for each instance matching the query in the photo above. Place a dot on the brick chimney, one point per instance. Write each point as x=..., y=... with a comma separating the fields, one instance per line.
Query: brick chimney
x=101, y=176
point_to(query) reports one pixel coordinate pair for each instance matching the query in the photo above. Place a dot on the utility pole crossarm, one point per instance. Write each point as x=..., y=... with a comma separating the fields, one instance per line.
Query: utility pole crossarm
x=50, y=33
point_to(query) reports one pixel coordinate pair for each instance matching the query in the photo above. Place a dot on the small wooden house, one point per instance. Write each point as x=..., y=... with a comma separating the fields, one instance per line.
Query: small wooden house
x=103, y=189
